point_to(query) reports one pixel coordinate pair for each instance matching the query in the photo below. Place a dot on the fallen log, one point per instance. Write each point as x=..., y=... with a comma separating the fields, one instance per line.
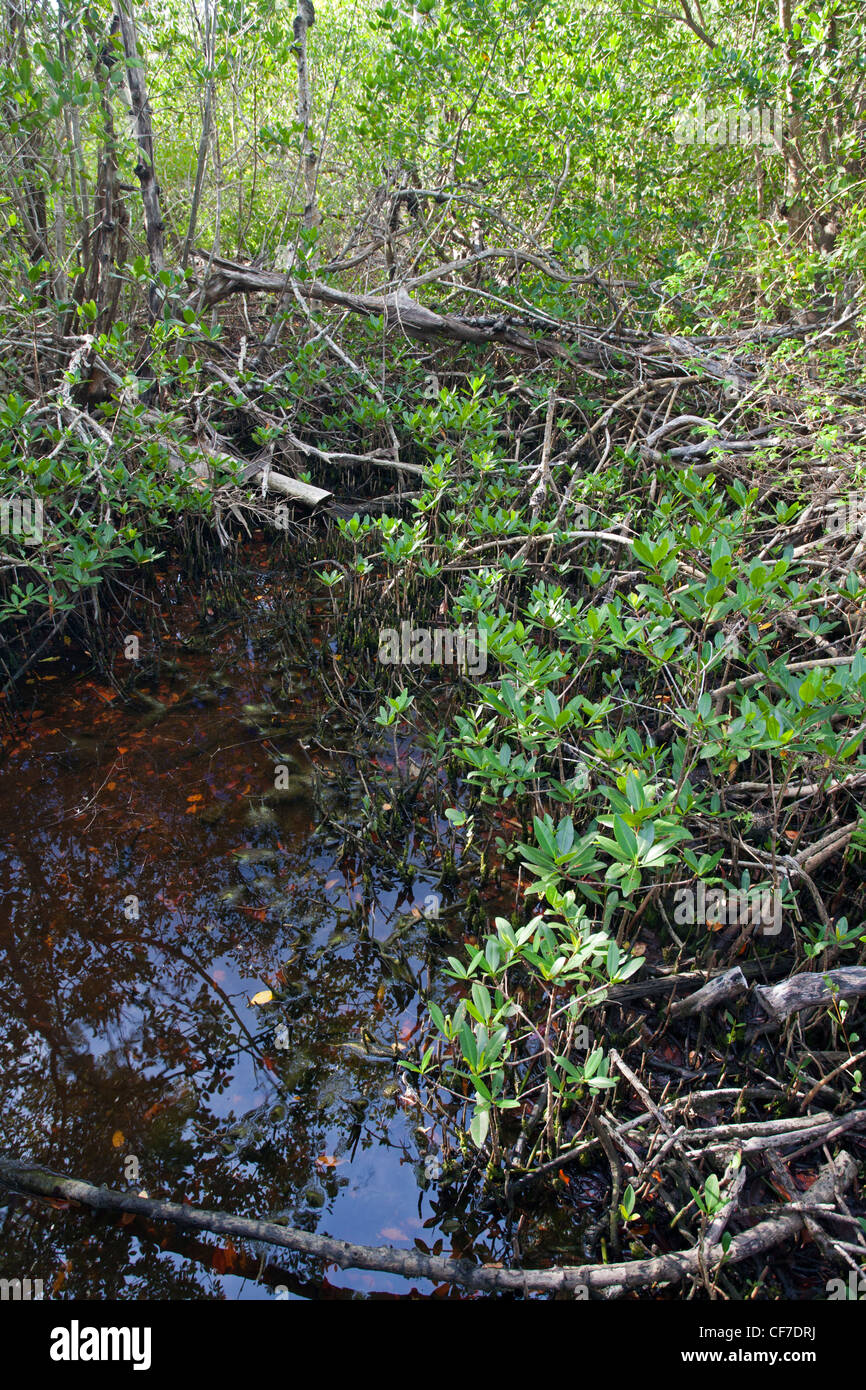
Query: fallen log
x=754, y=1129
x=809, y=991
x=669, y=984
x=293, y=487
x=835, y=1178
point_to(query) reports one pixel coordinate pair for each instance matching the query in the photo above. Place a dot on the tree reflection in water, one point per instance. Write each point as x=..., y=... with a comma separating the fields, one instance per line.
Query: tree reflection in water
x=148, y=891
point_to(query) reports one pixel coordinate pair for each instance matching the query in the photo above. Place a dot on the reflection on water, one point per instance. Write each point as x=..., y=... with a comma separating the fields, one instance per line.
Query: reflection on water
x=154, y=879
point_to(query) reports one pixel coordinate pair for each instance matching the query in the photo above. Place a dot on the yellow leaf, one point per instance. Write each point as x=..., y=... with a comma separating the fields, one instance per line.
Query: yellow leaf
x=117, y=1139
x=264, y=996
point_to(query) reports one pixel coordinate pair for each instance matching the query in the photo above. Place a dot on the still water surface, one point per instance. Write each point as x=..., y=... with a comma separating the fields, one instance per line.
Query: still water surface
x=152, y=882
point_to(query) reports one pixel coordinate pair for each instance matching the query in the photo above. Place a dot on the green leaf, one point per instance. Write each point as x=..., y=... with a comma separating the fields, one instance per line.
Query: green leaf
x=480, y=1126
x=625, y=837
x=481, y=999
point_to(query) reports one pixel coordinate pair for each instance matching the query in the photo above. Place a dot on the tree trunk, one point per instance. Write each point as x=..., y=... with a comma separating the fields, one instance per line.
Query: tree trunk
x=142, y=130
x=30, y=191
x=304, y=20
x=795, y=210
x=105, y=246
x=210, y=23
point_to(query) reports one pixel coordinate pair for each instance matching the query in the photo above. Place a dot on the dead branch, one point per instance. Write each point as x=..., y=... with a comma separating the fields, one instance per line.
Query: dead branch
x=834, y=1179
x=716, y=992
x=811, y=991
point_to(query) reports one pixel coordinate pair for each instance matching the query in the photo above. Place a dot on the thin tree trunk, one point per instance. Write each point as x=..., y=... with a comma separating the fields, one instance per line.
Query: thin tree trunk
x=304, y=20
x=207, y=121
x=142, y=130
x=29, y=192
x=105, y=246
x=796, y=212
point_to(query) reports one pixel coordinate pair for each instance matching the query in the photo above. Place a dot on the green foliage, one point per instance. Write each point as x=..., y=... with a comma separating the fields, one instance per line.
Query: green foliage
x=619, y=815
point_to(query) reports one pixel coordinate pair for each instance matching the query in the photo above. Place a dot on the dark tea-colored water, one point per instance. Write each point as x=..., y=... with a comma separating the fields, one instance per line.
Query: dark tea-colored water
x=155, y=882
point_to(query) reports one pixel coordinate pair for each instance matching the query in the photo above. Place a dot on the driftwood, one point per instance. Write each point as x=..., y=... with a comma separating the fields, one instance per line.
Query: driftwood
x=293, y=487
x=753, y=1129
x=715, y=993
x=258, y=471
x=834, y=1179
x=807, y=991
x=520, y=329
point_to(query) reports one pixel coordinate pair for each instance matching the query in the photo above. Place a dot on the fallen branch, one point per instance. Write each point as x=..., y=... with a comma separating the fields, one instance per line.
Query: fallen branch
x=669, y=984
x=834, y=1178
x=809, y=991
x=808, y=1135
x=716, y=992
x=397, y=309
x=293, y=487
